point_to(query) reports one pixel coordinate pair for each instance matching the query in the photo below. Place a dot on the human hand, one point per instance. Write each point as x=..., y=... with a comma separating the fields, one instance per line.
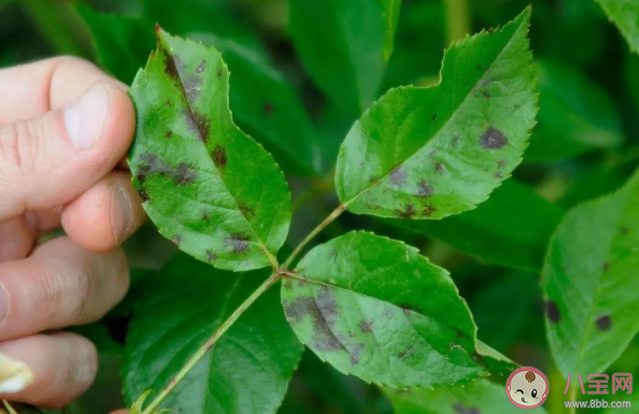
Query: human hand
x=64, y=128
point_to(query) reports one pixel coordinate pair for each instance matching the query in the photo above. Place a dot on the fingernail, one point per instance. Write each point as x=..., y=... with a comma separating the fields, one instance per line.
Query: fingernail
x=5, y=303
x=121, y=212
x=15, y=376
x=84, y=117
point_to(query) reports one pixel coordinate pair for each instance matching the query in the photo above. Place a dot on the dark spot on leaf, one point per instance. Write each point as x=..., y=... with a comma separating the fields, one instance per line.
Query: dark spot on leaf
x=440, y=168
x=411, y=307
x=424, y=189
x=239, y=243
x=479, y=359
x=406, y=353
x=210, y=256
x=605, y=266
x=433, y=117
x=143, y=194
x=355, y=353
x=552, y=311
x=365, y=326
x=170, y=66
x=429, y=210
x=408, y=212
x=168, y=133
x=486, y=94
x=604, y=322
x=219, y=72
x=205, y=215
x=333, y=254
x=460, y=408
x=498, y=175
x=219, y=157
x=490, y=30
x=246, y=210
x=501, y=164
x=398, y=177
x=493, y=139
x=460, y=334
x=177, y=239
x=287, y=283
x=268, y=108
x=456, y=140
x=183, y=174
x=201, y=67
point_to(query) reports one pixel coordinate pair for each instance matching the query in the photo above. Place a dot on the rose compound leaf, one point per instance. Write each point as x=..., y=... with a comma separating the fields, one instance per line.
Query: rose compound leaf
x=590, y=282
x=478, y=397
x=374, y=308
x=431, y=152
x=342, y=44
x=207, y=186
x=575, y=115
x=625, y=15
x=511, y=228
x=247, y=370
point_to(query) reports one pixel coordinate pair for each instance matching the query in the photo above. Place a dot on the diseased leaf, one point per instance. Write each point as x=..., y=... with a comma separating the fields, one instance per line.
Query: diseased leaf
x=122, y=43
x=262, y=101
x=511, y=228
x=625, y=15
x=207, y=186
x=575, y=115
x=478, y=397
x=342, y=45
x=374, y=308
x=391, y=17
x=265, y=105
x=248, y=369
x=431, y=152
x=590, y=282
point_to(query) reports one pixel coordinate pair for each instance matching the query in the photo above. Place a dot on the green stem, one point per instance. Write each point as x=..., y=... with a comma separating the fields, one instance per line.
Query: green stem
x=457, y=20
x=201, y=352
x=572, y=396
x=328, y=220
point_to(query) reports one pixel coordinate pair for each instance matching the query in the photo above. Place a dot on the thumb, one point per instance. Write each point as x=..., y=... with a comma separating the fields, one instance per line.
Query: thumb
x=49, y=160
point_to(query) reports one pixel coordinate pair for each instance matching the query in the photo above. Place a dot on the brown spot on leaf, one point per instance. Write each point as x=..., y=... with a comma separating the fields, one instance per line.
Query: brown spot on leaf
x=429, y=210
x=501, y=164
x=408, y=212
x=365, y=327
x=440, y=168
x=604, y=322
x=170, y=66
x=424, y=189
x=205, y=215
x=493, y=139
x=460, y=408
x=398, y=177
x=456, y=140
x=238, y=242
x=246, y=210
x=143, y=194
x=177, y=239
x=486, y=94
x=210, y=256
x=498, y=175
x=219, y=72
x=168, y=133
x=183, y=174
x=406, y=353
x=219, y=157
x=552, y=311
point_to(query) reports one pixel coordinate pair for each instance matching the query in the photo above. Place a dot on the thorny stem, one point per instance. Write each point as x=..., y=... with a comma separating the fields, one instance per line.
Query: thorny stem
x=201, y=352
x=328, y=220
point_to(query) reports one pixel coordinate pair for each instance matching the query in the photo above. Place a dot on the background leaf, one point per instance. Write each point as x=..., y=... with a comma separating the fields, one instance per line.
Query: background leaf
x=511, y=228
x=575, y=115
x=391, y=16
x=625, y=15
x=247, y=371
x=374, y=308
x=478, y=397
x=590, y=282
x=432, y=152
x=342, y=45
x=207, y=186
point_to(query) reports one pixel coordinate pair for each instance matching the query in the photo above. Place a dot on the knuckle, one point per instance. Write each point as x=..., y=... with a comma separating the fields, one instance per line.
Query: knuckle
x=17, y=149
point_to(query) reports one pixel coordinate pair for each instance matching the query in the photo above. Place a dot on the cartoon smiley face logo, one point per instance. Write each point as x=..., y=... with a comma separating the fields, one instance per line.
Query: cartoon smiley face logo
x=527, y=388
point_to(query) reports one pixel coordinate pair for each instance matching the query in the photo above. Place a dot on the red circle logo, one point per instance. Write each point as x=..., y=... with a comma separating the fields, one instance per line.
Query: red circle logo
x=527, y=388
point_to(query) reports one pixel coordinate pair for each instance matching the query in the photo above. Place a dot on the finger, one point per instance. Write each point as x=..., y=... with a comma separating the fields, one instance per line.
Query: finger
x=60, y=284
x=121, y=412
x=62, y=365
x=30, y=90
x=49, y=160
x=105, y=215
x=18, y=236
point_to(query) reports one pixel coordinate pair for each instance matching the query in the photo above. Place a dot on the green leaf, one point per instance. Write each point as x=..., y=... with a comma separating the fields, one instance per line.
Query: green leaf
x=207, y=186
x=478, y=397
x=374, y=308
x=625, y=15
x=122, y=43
x=511, y=228
x=431, y=152
x=262, y=101
x=342, y=45
x=590, y=282
x=265, y=105
x=391, y=17
x=575, y=115
x=248, y=369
